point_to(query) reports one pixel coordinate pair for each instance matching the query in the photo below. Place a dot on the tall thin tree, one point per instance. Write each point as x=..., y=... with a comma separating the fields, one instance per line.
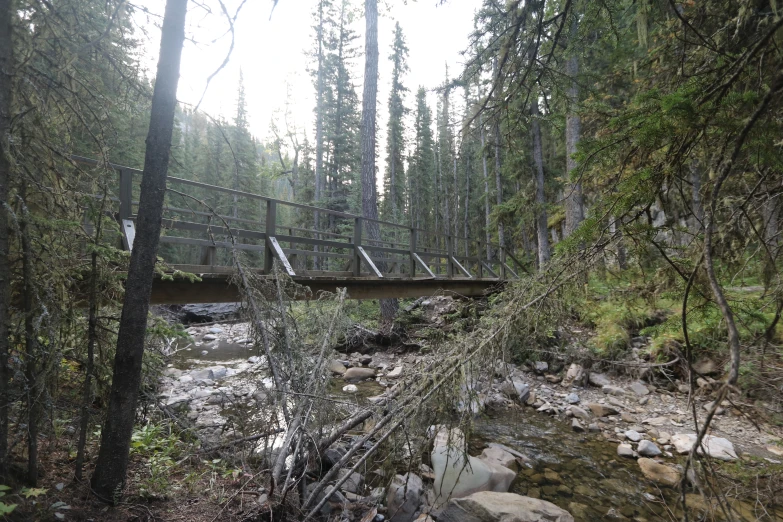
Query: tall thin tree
x=111, y=467
x=574, y=203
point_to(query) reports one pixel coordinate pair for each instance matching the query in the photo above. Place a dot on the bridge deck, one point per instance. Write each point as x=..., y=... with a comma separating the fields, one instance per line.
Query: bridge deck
x=205, y=225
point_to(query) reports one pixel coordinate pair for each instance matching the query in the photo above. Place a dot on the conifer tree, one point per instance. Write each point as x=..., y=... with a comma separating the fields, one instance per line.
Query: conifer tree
x=394, y=182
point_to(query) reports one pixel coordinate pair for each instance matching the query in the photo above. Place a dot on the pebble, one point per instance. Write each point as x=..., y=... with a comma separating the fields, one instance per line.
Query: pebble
x=350, y=388
x=625, y=450
x=633, y=436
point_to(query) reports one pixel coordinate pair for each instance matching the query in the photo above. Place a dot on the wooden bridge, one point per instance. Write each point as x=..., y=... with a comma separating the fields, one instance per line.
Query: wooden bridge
x=317, y=247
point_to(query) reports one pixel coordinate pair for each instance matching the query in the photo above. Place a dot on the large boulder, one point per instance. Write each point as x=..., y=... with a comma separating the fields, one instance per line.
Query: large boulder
x=458, y=475
x=358, y=374
x=489, y=506
x=574, y=375
x=404, y=497
x=599, y=379
x=661, y=474
x=208, y=312
x=711, y=446
x=500, y=456
x=337, y=368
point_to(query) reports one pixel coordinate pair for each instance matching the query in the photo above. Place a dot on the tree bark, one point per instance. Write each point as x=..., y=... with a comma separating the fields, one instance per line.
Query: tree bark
x=7, y=11
x=498, y=164
x=486, y=189
x=574, y=200
x=538, y=158
x=109, y=477
x=697, y=219
x=369, y=118
x=319, y=125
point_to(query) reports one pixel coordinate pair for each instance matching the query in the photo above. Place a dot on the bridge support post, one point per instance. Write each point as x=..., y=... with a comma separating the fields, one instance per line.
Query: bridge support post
x=271, y=220
x=126, y=194
x=449, y=256
x=412, y=248
x=502, y=257
x=357, y=243
x=481, y=250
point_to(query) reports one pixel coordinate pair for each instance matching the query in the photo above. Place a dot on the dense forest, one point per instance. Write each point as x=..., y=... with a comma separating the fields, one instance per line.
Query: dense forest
x=628, y=155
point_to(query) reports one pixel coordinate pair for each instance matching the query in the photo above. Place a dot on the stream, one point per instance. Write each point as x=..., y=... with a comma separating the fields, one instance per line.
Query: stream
x=579, y=472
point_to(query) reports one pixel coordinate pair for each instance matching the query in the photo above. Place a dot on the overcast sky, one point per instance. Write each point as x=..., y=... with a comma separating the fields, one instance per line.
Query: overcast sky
x=272, y=54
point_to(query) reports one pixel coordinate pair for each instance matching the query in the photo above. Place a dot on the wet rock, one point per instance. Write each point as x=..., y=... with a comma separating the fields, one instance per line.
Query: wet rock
x=661, y=474
x=711, y=446
x=500, y=457
x=202, y=374
x=577, y=426
x=647, y=448
x=639, y=389
x=215, y=330
x=204, y=353
x=572, y=398
x=337, y=368
x=358, y=374
x=404, y=497
x=541, y=366
x=487, y=506
x=458, y=475
x=354, y=483
x=254, y=359
x=625, y=450
x=594, y=428
x=633, y=436
x=599, y=379
x=552, y=477
x=209, y=337
x=602, y=410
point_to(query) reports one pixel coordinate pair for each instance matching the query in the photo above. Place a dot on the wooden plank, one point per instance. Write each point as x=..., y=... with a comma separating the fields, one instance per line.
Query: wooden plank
x=423, y=265
x=128, y=234
x=488, y=269
x=295, y=251
x=368, y=261
x=461, y=268
x=278, y=252
x=205, y=242
x=386, y=250
x=315, y=242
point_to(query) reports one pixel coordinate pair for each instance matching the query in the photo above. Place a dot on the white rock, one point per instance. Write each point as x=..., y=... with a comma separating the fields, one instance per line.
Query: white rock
x=633, y=435
x=458, y=476
x=350, y=388
x=711, y=446
x=490, y=506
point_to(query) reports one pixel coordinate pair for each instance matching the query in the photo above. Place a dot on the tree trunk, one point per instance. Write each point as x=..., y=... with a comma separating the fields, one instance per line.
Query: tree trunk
x=488, y=238
x=574, y=201
x=7, y=12
x=369, y=118
x=538, y=158
x=108, y=479
x=697, y=219
x=498, y=178
x=319, y=126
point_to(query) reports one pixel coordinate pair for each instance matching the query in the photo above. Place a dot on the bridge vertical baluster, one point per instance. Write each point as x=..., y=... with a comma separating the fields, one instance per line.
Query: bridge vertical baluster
x=357, y=242
x=271, y=221
x=502, y=257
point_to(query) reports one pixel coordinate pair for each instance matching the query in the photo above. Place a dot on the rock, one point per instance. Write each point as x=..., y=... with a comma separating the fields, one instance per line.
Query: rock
x=711, y=446
x=647, y=448
x=350, y=388
x=683, y=388
x=554, y=379
x=702, y=383
x=718, y=411
x=574, y=375
x=209, y=337
x=663, y=438
x=218, y=372
x=612, y=390
x=625, y=450
x=639, y=389
x=254, y=359
x=598, y=379
x=333, y=455
x=577, y=426
x=579, y=413
x=404, y=497
x=516, y=390
x=336, y=501
x=358, y=374
x=204, y=353
x=365, y=360
x=457, y=475
x=602, y=410
x=487, y=506
x=661, y=474
x=208, y=312
x=572, y=398
x=396, y=373
x=215, y=330
x=706, y=367
x=500, y=457
x=174, y=373
x=656, y=421
x=633, y=435
x=354, y=483
x=643, y=401
x=541, y=366
x=202, y=374
x=337, y=368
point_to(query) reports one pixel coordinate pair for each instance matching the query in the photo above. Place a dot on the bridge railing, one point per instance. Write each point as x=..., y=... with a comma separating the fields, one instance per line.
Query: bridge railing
x=203, y=222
